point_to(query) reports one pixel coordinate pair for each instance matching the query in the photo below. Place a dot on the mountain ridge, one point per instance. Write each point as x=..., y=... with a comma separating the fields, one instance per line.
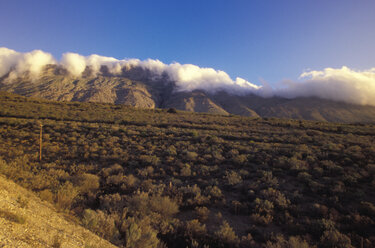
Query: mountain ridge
x=137, y=87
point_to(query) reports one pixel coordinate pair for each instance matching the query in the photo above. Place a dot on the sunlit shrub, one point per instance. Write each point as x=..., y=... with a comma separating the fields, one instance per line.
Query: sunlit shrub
x=293, y=242
x=194, y=229
x=233, y=177
x=66, y=195
x=139, y=233
x=46, y=195
x=227, y=235
x=100, y=223
x=333, y=238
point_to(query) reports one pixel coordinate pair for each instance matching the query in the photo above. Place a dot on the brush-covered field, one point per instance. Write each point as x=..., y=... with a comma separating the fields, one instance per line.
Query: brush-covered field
x=165, y=178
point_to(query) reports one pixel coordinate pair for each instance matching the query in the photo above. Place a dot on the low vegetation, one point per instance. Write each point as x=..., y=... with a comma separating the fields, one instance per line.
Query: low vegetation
x=8, y=215
x=162, y=178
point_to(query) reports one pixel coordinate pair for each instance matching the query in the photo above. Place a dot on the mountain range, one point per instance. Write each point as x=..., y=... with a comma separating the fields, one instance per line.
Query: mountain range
x=137, y=87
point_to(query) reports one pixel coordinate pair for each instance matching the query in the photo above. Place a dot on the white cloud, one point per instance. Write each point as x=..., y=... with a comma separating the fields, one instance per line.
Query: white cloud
x=8, y=60
x=34, y=62
x=187, y=77
x=18, y=63
x=74, y=63
x=343, y=84
x=190, y=77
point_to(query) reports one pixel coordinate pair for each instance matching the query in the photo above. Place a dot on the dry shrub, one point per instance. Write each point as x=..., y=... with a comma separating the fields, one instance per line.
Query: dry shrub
x=100, y=223
x=87, y=182
x=65, y=196
x=194, y=229
x=139, y=233
x=46, y=195
x=227, y=235
x=202, y=213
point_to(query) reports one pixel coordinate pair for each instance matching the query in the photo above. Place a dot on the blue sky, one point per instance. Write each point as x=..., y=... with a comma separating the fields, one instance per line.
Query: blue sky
x=255, y=40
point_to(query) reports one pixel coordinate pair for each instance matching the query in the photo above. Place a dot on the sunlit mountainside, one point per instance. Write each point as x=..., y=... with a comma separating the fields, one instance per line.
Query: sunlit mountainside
x=139, y=88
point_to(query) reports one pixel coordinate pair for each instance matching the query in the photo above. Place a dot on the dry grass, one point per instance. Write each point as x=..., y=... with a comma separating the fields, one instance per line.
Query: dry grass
x=16, y=218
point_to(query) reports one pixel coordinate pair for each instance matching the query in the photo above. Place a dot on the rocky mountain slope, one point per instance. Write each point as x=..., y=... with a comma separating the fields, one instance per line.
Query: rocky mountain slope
x=27, y=221
x=137, y=87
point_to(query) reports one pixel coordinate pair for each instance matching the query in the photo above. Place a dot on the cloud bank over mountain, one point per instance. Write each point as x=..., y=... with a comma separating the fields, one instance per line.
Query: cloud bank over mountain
x=342, y=84
x=17, y=63
x=187, y=77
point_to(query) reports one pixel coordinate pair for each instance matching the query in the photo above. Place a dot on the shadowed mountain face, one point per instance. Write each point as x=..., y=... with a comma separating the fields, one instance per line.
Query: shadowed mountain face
x=137, y=87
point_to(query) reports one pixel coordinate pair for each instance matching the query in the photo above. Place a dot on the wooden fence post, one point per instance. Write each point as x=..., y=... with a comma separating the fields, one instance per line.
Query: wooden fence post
x=40, y=142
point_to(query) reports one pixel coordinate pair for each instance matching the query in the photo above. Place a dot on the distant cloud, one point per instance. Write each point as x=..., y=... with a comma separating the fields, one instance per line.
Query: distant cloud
x=188, y=77
x=343, y=84
x=74, y=63
x=17, y=63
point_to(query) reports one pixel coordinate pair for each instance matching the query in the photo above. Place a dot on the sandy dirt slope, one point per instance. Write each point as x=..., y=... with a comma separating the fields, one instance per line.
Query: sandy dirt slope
x=27, y=221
